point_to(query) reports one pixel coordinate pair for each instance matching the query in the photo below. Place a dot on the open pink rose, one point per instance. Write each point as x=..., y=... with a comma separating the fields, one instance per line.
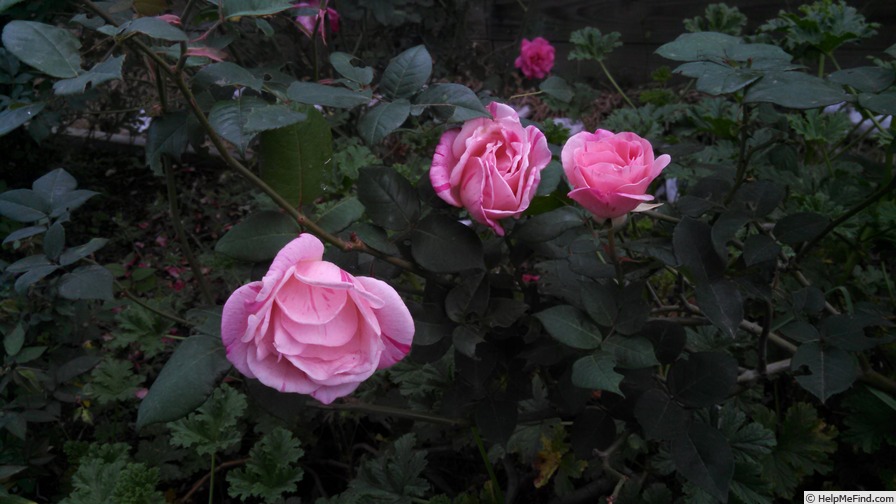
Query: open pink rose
x=609, y=172
x=310, y=327
x=307, y=23
x=491, y=167
x=536, y=58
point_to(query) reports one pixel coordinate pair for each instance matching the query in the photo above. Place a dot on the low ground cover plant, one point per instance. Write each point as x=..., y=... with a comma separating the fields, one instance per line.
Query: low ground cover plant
x=352, y=265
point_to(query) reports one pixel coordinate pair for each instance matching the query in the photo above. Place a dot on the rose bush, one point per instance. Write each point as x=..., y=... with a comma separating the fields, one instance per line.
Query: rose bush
x=609, y=172
x=491, y=167
x=536, y=58
x=310, y=327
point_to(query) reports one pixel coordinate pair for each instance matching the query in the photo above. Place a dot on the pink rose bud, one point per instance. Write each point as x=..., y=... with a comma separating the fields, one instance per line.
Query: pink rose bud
x=491, y=167
x=609, y=172
x=171, y=19
x=310, y=327
x=307, y=23
x=536, y=58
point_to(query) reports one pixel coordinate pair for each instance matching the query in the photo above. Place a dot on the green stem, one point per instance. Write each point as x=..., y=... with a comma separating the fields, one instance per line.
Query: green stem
x=615, y=84
x=388, y=410
x=742, y=157
x=611, y=249
x=182, y=237
x=211, y=482
x=497, y=493
x=882, y=191
x=221, y=146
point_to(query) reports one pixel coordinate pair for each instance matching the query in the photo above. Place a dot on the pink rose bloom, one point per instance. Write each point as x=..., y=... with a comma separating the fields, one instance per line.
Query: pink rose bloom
x=491, y=167
x=536, y=58
x=310, y=327
x=307, y=23
x=609, y=172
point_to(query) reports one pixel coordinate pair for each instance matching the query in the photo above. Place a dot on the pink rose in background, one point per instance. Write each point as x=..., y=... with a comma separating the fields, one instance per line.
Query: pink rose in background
x=307, y=23
x=536, y=58
x=310, y=327
x=609, y=172
x=491, y=167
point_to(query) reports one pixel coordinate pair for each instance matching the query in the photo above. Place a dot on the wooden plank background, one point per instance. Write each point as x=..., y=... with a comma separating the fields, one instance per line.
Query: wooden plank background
x=644, y=25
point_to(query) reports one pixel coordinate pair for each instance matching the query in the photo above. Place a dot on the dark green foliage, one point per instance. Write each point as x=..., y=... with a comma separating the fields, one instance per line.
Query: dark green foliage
x=271, y=469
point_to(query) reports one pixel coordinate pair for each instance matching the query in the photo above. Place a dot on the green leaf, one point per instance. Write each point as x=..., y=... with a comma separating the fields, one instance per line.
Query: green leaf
x=87, y=282
x=715, y=79
x=557, y=87
x=52, y=50
x=342, y=63
x=54, y=241
x=795, y=90
x=595, y=372
x=630, y=352
x=703, y=456
x=848, y=332
x=341, y=215
x=229, y=118
x=660, y=416
x=105, y=71
x=549, y=225
x=294, y=159
x=271, y=470
x=692, y=240
x=374, y=237
x=390, y=200
x=23, y=205
x=668, y=339
x=721, y=302
x=155, y=28
x=443, y=245
x=18, y=114
x=234, y=9
x=22, y=233
x=28, y=263
x=867, y=79
x=169, y=135
x=591, y=44
x=6, y=4
x=703, y=379
x=312, y=93
x=213, y=426
x=750, y=441
x=759, y=249
x=406, y=73
x=74, y=254
x=383, y=119
x=470, y=297
x=800, y=227
x=225, y=73
x=259, y=237
x=393, y=477
x=273, y=117
x=832, y=370
x=804, y=445
x=114, y=380
x=601, y=304
x=13, y=340
x=698, y=46
x=460, y=102
x=883, y=103
x=570, y=326
x=869, y=424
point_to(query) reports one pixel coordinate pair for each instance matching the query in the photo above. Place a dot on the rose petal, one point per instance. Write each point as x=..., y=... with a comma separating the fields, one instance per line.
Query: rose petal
x=395, y=321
